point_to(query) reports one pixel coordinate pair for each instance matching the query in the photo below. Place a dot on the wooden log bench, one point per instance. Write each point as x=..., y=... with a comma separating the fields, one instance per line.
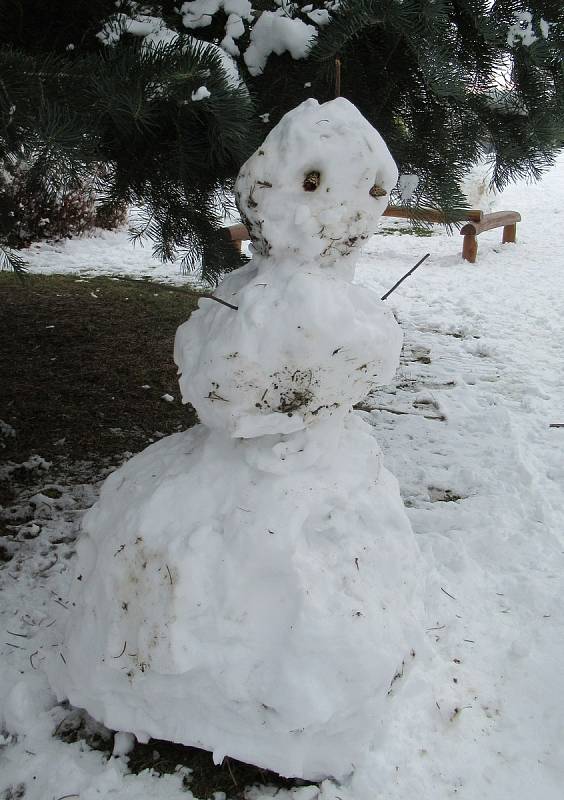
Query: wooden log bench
x=499, y=219
x=476, y=222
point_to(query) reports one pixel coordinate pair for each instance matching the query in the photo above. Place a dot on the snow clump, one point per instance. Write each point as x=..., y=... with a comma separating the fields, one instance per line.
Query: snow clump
x=274, y=32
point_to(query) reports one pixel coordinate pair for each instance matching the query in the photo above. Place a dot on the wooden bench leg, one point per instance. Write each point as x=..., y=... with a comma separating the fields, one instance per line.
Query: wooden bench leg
x=509, y=233
x=470, y=247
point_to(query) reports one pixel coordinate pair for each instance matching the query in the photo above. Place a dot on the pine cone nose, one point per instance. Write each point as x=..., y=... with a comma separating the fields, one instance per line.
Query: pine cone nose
x=312, y=181
x=377, y=191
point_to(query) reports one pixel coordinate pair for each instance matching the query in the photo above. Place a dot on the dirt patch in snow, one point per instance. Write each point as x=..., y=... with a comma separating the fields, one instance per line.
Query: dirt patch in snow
x=86, y=364
x=199, y=774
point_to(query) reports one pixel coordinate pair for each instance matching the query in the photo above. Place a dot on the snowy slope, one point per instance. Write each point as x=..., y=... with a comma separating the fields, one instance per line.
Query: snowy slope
x=103, y=253
x=487, y=719
x=495, y=329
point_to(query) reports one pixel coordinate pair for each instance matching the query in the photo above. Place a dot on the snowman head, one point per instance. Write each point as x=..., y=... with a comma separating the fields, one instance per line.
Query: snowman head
x=316, y=187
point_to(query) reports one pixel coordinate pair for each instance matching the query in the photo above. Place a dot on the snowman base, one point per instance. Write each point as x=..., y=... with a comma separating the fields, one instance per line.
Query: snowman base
x=264, y=617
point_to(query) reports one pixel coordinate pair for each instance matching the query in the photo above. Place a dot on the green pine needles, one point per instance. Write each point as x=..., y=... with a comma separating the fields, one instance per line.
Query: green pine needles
x=446, y=82
x=131, y=116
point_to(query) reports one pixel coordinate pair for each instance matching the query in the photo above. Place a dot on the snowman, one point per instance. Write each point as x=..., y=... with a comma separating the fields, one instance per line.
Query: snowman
x=250, y=586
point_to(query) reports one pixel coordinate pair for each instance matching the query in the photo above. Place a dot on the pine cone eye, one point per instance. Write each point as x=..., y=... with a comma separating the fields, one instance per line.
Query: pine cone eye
x=377, y=191
x=312, y=181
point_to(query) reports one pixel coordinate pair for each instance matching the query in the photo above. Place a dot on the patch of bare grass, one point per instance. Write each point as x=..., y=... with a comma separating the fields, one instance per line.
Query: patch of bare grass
x=74, y=357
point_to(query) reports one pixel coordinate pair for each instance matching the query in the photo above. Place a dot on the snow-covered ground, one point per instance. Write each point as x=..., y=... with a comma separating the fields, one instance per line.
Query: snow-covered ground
x=103, y=253
x=482, y=477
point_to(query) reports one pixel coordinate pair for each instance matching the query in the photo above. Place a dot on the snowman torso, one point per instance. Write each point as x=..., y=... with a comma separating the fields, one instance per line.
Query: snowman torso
x=299, y=349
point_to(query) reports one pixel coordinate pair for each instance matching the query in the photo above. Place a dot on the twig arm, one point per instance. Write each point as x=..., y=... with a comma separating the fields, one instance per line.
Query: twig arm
x=182, y=290
x=407, y=274
x=217, y=300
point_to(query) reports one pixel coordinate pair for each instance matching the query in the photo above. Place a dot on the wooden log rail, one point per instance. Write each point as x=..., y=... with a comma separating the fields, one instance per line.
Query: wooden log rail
x=476, y=222
x=432, y=215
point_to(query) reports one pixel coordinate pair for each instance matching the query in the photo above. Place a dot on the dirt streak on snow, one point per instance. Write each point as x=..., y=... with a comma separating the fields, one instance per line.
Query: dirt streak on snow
x=486, y=720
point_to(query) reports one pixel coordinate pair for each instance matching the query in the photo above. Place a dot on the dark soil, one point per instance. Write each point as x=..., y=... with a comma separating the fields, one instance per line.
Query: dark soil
x=231, y=776
x=74, y=357
x=199, y=774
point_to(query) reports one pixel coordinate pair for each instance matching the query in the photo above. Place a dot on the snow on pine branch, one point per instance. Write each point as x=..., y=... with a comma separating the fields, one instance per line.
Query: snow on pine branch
x=285, y=28
x=276, y=33
x=154, y=31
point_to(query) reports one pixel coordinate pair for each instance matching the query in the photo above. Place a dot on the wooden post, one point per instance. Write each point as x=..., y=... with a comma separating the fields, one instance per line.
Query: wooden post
x=470, y=247
x=237, y=234
x=337, y=77
x=509, y=233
